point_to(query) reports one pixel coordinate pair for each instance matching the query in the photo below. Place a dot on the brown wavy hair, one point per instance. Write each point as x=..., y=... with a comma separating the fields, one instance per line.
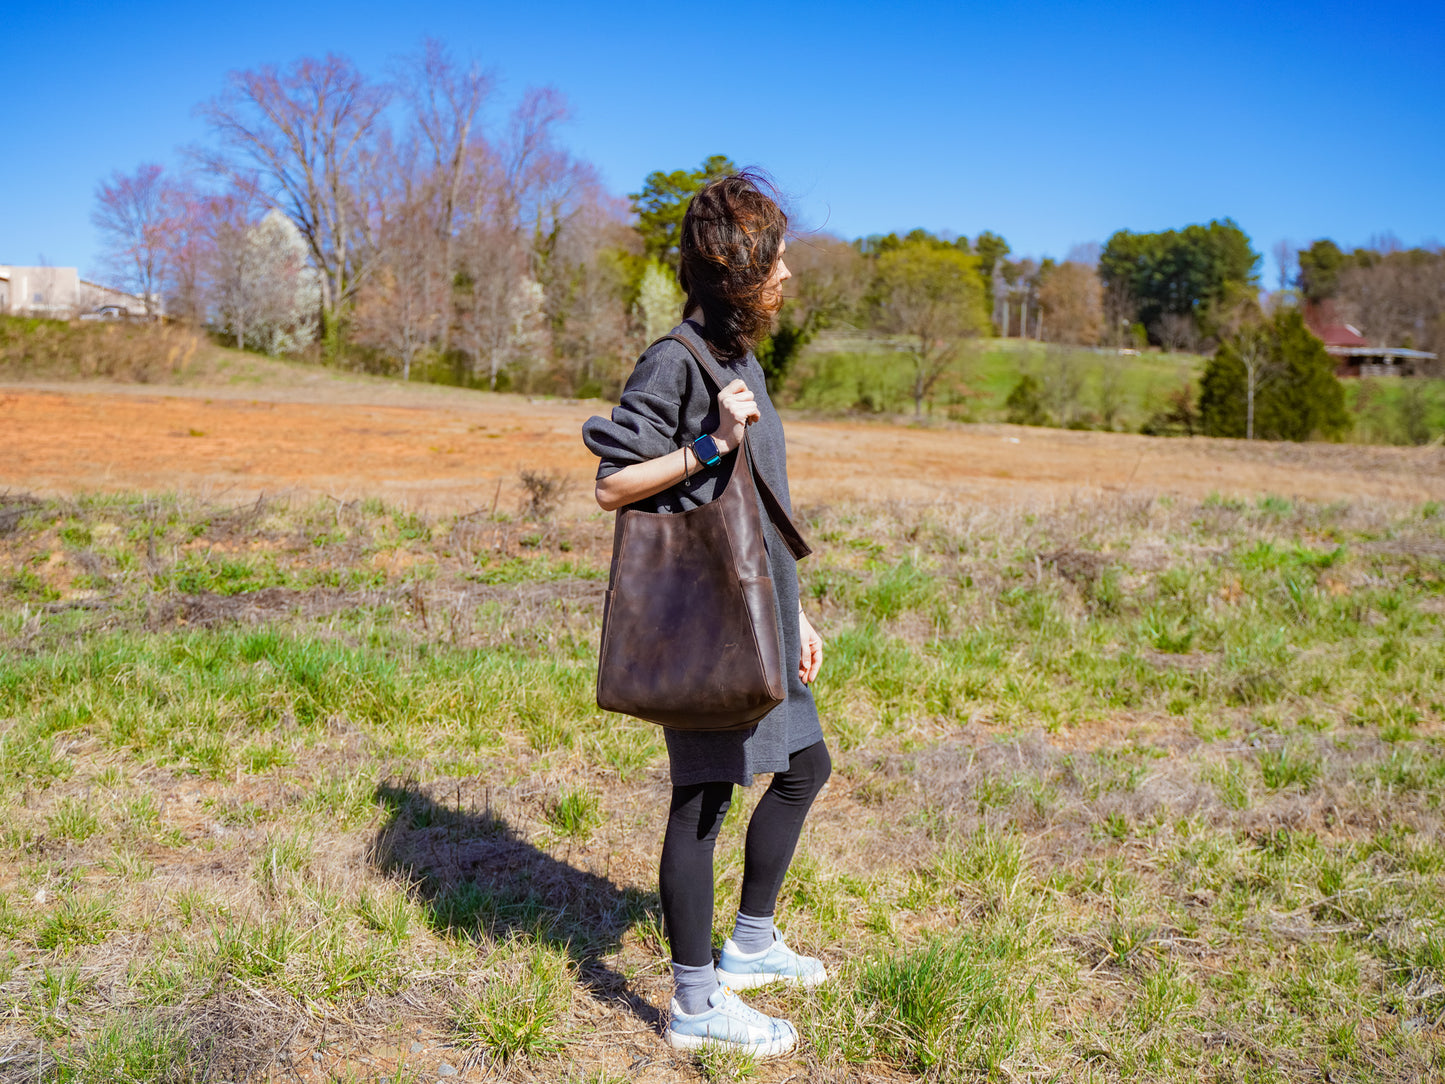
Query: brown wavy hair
x=731, y=237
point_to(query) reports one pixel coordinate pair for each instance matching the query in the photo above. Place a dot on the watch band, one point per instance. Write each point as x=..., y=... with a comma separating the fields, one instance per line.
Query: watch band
x=705, y=448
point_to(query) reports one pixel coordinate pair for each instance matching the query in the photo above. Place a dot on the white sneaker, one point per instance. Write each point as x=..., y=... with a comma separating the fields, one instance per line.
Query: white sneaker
x=731, y=1025
x=776, y=963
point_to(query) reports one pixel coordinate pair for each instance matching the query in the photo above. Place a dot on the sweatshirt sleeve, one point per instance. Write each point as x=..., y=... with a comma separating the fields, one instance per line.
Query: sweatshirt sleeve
x=646, y=423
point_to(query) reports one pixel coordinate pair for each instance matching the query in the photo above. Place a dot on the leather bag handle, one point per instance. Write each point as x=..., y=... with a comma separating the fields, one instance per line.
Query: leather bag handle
x=787, y=529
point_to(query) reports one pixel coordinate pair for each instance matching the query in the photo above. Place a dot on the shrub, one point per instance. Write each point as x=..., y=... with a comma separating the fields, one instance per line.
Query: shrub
x=1025, y=404
x=1297, y=396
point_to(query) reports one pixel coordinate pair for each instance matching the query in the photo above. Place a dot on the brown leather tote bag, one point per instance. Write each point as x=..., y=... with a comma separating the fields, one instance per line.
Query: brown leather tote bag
x=690, y=635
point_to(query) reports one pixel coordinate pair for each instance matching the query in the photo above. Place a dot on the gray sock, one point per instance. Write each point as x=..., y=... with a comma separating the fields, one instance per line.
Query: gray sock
x=692, y=986
x=753, y=933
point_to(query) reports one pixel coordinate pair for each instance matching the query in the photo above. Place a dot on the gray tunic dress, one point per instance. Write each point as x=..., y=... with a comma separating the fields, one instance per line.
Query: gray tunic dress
x=667, y=402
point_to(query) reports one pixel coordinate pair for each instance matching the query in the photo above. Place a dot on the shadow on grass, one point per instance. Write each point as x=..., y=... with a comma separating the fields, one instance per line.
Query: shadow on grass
x=476, y=876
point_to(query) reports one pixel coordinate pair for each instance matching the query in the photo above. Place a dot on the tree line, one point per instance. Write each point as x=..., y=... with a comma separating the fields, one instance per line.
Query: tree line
x=390, y=225
x=383, y=224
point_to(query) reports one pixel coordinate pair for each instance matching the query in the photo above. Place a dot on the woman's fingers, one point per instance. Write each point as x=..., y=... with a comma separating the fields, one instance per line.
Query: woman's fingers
x=737, y=402
x=811, y=662
x=810, y=659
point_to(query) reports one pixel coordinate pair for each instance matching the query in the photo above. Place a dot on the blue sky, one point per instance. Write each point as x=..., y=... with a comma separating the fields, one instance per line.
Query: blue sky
x=1050, y=123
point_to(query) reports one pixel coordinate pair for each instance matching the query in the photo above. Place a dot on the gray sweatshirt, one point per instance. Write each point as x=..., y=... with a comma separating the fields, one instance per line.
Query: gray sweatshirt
x=667, y=402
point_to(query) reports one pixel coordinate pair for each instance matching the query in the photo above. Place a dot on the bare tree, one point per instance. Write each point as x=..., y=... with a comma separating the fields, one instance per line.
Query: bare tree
x=595, y=333
x=191, y=258
x=232, y=274
x=1018, y=280
x=1072, y=301
x=1250, y=348
x=1285, y=257
x=830, y=279
x=498, y=302
x=402, y=306
x=589, y=275
x=446, y=100
x=544, y=187
x=300, y=139
x=538, y=179
x=523, y=195
x=139, y=216
x=1397, y=300
x=933, y=296
x=1177, y=331
x=1241, y=324
x=1121, y=310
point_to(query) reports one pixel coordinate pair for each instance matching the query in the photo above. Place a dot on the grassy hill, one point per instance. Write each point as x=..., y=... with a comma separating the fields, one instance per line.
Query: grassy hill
x=854, y=372
x=839, y=373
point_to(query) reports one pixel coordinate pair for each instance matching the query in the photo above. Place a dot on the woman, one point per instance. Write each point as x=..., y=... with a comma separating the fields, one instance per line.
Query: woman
x=654, y=454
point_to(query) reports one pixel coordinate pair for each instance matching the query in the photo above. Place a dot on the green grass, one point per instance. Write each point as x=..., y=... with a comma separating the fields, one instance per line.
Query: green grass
x=517, y=1012
x=848, y=373
x=74, y=922
x=1113, y=780
x=1288, y=768
x=855, y=373
x=574, y=813
x=946, y=1009
x=1397, y=411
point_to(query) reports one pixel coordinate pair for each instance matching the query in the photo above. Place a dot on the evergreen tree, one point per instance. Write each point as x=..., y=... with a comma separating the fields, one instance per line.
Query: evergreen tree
x=663, y=201
x=1178, y=272
x=1025, y=403
x=1319, y=270
x=1298, y=396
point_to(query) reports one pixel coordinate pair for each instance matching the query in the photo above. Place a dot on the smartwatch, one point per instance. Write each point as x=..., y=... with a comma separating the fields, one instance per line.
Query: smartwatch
x=705, y=448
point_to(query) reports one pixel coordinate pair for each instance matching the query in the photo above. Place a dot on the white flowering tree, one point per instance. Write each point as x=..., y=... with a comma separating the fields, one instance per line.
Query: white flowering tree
x=659, y=300
x=267, y=294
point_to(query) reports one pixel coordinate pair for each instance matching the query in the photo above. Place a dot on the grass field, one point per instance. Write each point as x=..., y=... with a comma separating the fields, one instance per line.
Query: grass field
x=842, y=372
x=1099, y=388
x=1140, y=788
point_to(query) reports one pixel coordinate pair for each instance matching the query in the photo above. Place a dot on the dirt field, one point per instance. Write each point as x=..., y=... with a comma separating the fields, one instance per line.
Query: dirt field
x=444, y=449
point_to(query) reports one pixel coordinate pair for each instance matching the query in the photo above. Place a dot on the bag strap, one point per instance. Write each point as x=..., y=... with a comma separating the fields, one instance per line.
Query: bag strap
x=787, y=529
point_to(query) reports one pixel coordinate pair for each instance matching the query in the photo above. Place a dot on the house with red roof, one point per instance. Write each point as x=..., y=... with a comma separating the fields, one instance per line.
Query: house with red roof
x=1353, y=353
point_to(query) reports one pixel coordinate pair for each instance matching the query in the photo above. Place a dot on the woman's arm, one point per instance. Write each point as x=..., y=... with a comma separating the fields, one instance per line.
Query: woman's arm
x=737, y=406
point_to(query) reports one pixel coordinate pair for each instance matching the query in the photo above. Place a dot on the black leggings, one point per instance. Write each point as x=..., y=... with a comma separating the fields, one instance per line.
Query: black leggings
x=693, y=820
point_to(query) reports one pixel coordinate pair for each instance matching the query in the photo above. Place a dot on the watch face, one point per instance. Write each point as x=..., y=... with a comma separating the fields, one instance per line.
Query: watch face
x=706, y=449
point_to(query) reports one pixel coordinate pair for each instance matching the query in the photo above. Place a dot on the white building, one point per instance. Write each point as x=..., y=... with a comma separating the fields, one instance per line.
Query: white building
x=61, y=293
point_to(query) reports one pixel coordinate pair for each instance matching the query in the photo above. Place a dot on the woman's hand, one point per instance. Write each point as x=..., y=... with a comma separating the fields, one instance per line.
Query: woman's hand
x=736, y=407
x=811, y=656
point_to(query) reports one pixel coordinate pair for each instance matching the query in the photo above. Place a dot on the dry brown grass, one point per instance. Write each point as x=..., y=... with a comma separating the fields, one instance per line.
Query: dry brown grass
x=138, y=353
x=353, y=725
x=233, y=433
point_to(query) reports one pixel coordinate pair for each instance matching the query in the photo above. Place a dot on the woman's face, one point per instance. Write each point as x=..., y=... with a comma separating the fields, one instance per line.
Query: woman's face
x=773, y=288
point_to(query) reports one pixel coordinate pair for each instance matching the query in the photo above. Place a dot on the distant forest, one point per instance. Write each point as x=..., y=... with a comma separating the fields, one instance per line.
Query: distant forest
x=380, y=225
